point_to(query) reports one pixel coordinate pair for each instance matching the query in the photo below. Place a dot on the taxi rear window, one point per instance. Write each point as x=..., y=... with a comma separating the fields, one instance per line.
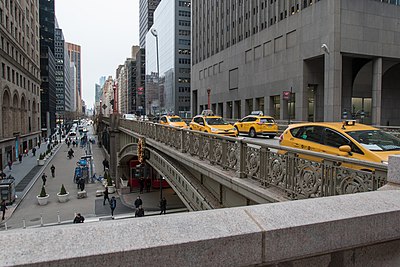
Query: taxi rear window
x=267, y=120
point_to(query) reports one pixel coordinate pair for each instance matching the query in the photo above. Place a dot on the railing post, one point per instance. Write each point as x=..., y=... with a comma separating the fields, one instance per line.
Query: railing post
x=224, y=154
x=182, y=140
x=201, y=144
x=263, y=164
x=242, y=160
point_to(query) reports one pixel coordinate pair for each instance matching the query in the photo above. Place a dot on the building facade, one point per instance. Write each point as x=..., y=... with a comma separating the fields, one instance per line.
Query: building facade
x=74, y=52
x=47, y=66
x=59, y=45
x=305, y=60
x=172, y=22
x=19, y=78
x=140, y=82
x=146, y=12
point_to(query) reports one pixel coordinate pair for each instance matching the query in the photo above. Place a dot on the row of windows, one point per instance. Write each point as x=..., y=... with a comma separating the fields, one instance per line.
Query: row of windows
x=184, y=60
x=182, y=13
x=184, y=3
x=17, y=78
x=19, y=57
x=211, y=70
x=184, y=23
x=184, y=70
x=184, y=42
x=184, y=89
x=184, y=99
x=184, y=32
x=183, y=80
x=217, y=27
x=184, y=51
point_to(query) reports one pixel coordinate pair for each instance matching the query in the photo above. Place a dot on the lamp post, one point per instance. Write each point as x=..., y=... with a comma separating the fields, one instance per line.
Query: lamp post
x=208, y=98
x=155, y=34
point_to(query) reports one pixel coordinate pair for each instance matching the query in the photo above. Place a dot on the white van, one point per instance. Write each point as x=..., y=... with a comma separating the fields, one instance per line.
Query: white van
x=131, y=117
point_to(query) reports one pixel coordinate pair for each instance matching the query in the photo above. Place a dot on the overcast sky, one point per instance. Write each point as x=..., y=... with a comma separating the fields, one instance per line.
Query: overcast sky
x=105, y=30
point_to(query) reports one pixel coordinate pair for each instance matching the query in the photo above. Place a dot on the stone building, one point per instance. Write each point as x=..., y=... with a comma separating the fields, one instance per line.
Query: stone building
x=19, y=78
x=336, y=57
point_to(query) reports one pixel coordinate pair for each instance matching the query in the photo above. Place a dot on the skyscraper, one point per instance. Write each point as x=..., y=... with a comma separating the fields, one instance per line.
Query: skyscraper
x=47, y=66
x=60, y=82
x=74, y=52
x=146, y=11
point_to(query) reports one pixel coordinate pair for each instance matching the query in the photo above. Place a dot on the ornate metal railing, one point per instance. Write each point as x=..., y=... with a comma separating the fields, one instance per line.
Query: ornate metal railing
x=299, y=173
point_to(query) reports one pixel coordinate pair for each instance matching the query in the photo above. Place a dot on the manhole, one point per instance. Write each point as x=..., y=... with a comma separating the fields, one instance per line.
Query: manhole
x=35, y=219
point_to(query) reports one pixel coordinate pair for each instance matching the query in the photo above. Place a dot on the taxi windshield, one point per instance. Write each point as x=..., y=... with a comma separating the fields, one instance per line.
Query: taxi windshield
x=376, y=140
x=177, y=119
x=216, y=121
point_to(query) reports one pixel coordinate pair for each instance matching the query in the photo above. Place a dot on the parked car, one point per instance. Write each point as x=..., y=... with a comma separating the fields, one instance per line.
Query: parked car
x=256, y=123
x=209, y=123
x=174, y=121
x=348, y=139
x=131, y=117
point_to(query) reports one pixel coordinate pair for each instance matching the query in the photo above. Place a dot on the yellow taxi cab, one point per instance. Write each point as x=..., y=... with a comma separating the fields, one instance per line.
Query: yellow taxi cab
x=349, y=139
x=174, y=121
x=256, y=123
x=208, y=122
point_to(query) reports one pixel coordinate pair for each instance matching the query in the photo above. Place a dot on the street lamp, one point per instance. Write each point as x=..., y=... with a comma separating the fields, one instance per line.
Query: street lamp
x=155, y=34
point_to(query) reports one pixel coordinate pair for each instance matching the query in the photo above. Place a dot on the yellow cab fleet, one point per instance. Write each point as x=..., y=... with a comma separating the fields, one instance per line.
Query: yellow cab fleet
x=208, y=122
x=174, y=121
x=257, y=124
x=349, y=139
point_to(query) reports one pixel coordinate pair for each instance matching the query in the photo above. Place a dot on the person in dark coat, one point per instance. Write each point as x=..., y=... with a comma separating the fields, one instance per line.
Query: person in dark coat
x=139, y=212
x=53, y=171
x=79, y=218
x=148, y=184
x=3, y=208
x=9, y=164
x=163, y=205
x=113, y=205
x=141, y=184
x=138, y=202
x=106, y=165
x=34, y=151
x=44, y=179
x=105, y=194
x=20, y=158
x=81, y=184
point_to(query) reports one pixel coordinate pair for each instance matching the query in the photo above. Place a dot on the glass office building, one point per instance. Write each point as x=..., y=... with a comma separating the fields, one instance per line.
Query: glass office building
x=172, y=94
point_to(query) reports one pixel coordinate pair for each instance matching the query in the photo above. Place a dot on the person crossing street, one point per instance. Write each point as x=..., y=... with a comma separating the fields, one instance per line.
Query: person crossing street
x=53, y=171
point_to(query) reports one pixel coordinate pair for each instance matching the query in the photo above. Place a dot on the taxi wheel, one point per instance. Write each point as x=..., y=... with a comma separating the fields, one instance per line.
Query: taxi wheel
x=252, y=133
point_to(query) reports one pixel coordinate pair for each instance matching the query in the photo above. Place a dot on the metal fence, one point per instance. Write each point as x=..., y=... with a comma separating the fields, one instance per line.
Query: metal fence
x=298, y=173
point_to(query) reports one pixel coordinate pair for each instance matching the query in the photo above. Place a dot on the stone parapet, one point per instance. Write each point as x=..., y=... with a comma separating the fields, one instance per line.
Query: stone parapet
x=333, y=230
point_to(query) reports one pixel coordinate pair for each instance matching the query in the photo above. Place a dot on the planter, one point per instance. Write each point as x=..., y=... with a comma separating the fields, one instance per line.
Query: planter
x=111, y=189
x=43, y=200
x=40, y=162
x=62, y=198
x=124, y=183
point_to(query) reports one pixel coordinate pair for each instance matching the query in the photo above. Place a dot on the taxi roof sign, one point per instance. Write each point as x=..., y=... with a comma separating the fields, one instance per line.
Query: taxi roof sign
x=207, y=112
x=348, y=123
x=257, y=112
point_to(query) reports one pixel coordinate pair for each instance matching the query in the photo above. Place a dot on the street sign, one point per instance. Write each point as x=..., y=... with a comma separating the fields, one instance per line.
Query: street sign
x=286, y=95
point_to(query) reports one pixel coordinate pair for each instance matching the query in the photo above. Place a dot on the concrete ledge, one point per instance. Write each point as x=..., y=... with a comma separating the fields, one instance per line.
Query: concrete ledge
x=313, y=230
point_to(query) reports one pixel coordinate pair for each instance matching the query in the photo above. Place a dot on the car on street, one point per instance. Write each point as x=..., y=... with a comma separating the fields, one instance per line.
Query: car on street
x=209, y=123
x=174, y=121
x=131, y=117
x=348, y=139
x=257, y=124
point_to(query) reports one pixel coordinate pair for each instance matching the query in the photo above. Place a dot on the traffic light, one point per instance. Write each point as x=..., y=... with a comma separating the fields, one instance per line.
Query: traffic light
x=112, y=103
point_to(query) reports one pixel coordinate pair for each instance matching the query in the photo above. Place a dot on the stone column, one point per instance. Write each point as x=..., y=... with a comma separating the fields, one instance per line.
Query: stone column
x=376, y=91
x=393, y=175
x=114, y=144
x=333, y=86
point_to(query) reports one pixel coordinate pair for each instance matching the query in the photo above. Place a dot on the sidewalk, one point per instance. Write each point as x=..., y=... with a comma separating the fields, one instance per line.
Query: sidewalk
x=30, y=214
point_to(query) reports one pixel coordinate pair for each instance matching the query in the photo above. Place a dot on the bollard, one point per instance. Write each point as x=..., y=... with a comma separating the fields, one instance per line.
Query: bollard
x=23, y=223
x=5, y=226
x=41, y=219
x=58, y=217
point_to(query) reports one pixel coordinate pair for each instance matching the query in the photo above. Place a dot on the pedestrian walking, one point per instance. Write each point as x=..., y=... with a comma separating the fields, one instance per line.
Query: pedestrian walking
x=34, y=151
x=105, y=194
x=82, y=184
x=44, y=179
x=105, y=164
x=113, y=205
x=79, y=218
x=163, y=205
x=53, y=171
x=141, y=184
x=20, y=158
x=9, y=164
x=3, y=208
x=148, y=184
x=138, y=202
x=39, y=143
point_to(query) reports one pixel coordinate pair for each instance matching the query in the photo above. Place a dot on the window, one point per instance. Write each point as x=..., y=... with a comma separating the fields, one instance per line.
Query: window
x=335, y=139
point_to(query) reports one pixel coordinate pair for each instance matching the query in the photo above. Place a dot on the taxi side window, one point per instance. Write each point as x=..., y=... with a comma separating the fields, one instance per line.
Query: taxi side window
x=163, y=119
x=335, y=139
x=251, y=119
x=245, y=119
x=198, y=120
x=309, y=133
